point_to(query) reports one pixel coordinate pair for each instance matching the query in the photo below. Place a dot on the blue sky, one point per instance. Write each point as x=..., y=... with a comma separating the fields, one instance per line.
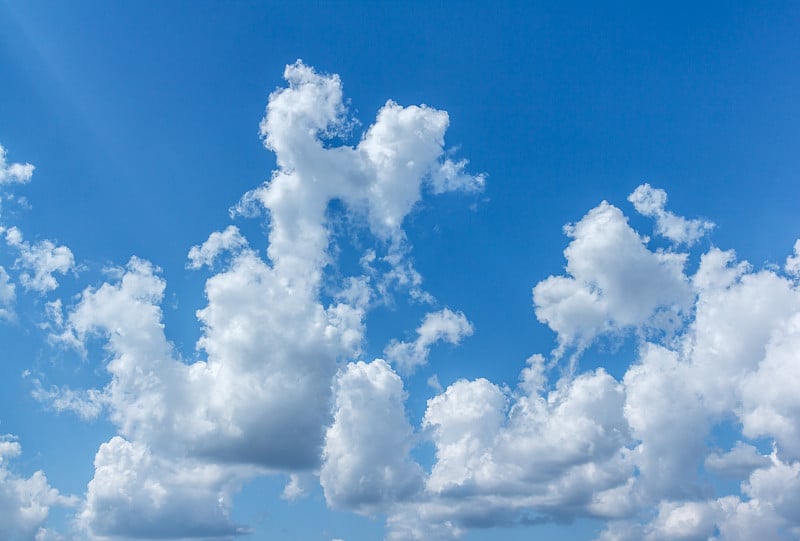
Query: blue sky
x=549, y=289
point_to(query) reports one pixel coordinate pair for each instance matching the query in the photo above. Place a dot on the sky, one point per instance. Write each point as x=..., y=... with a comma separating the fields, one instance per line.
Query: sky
x=359, y=271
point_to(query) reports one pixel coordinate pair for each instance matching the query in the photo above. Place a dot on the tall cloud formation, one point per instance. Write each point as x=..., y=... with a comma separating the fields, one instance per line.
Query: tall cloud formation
x=261, y=398
x=281, y=386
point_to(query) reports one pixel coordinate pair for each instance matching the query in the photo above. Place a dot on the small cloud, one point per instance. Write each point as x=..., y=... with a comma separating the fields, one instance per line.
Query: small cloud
x=442, y=326
x=649, y=201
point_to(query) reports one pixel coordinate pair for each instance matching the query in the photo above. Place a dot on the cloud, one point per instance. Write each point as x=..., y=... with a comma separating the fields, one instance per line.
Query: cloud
x=294, y=489
x=260, y=396
x=39, y=261
x=135, y=494
x=508, y=458
x=7, y=296
x=11, y=173
x=218, y=242
x=650, y=201
x=444, y=325
x=793, y=261
x=366, y=460
x=25, y=502
x=633, y=451
x=613, y=282
x=737, y=463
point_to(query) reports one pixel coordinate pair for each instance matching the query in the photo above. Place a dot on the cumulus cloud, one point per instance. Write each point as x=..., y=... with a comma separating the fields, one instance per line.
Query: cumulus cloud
x=136, y=495
x=25, y=502
x=650, y=201
x=40, y=261
x=523, y=457
x=366, y=460
x=11, y=173
x=218, y=242
x=260, y=396
x=444, y=325
x=613, y=282
x=635, y=450
x=7, y=295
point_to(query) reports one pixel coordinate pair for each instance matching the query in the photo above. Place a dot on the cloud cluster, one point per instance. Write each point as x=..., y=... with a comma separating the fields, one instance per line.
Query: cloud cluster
x=279, y=384
x=11, y=173
x=260, y=397
x=632, y=451
x=40, y=261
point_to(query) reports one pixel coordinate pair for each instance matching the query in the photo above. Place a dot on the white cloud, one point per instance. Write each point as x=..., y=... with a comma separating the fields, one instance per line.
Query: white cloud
x=40, y=261
x=792, y=265
x=137, y=495
x=220, y=241
x=13, y=172
x=650, y=201
x=507, y=458
x=25, y=502
x=444, y=325
x=7, y=296
x=261, y=394
x=593, y=446
x=366, y=460
x=737, y=463
x=613, y=282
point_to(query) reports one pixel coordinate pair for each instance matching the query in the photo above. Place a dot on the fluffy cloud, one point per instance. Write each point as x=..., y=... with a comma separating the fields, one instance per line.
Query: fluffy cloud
x=613, y=282
x=630, y=449
x=136, y=495
x=218, y=242
x=523, y=457
x=650, y=201
x=39, y=261
x=793, y=261
x=366, y=456
x=13, y=172
x=24, y=502
x=7, y=295
x=444, y=325
x=261, y=395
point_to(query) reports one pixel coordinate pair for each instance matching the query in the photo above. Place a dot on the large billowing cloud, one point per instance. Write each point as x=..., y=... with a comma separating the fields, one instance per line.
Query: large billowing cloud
x=262, y=395
x=40, y=261
x=366, y=456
